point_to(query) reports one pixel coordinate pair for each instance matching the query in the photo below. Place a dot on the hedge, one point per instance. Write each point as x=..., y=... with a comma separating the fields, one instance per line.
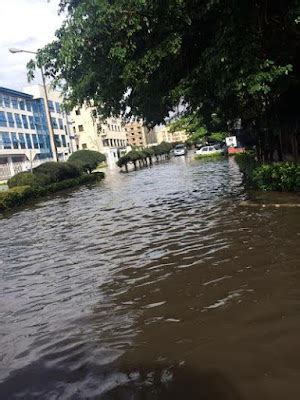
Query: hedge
x=20, y=195
x=277, y=176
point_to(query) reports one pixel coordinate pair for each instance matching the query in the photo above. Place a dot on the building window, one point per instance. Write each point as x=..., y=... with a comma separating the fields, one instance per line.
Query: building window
x=54, y=123
x=57, y=106
x=35, y=142
x=57, y=141
x=25, y=121
x=3, y=121
x=22, y=141
x=28, y=105
x=15, y=141
x=28, y=141
x=74, y=129
x=77, y=112
x=14, y=103
x=11, y=121
x=63, y=139
x=22, y=105
x=6, y=101
x=80, y=128
x=60, y=123
x=31, y=122
x=41, y=140
x=18, y=121
x=51, y=106
x=84, y=146
x=5, y=140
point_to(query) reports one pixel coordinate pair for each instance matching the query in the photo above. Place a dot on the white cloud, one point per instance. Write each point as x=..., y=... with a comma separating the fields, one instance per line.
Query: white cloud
x=26, y=24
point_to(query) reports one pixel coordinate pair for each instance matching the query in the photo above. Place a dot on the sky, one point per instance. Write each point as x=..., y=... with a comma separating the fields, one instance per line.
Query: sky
x=25, y=24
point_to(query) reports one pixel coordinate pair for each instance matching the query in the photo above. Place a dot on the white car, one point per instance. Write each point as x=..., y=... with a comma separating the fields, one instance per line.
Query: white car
x=209, y=151
x=180, y=150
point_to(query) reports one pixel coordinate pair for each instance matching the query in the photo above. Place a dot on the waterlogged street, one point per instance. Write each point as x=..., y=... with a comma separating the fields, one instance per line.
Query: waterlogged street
x=155, y=284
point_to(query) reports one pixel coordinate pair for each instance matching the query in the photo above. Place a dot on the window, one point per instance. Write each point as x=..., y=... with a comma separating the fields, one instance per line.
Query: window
x=31, y=122
x=22, y=140
x=57, y=106
x=1, y=100
x=74, y=129
x=28, y=105
x=11, y=121
x=22, y=105
x=3, y=121
x=84, y=146
x=80, y=128
x=14, y=103
x=15, y=140
x=77, y=112
x=25, y=121
x=54, y=123
x=51, y=106
x=41, y=140
x=18, y=121
x=6, y=101
x=57, y=141
x=28, y=141
x=5, y=141
x=63, y=139
x=60, y=123
x=35, y=142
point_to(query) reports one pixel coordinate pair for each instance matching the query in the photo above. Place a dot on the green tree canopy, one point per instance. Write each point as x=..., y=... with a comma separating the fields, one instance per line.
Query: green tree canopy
x=87, y=160
x=143, y=57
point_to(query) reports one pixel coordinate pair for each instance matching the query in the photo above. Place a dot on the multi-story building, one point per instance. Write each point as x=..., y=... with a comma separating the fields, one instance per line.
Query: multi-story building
x=24, y=134
x=164, y=135
x=60, y=119
x=107, y=137
x=139, y=135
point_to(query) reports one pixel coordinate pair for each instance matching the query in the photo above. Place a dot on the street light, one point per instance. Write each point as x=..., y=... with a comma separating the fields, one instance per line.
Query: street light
x=49, y=120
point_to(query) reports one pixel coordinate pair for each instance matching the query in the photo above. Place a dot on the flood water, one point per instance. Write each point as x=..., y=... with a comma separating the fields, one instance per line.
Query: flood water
x=155, y=284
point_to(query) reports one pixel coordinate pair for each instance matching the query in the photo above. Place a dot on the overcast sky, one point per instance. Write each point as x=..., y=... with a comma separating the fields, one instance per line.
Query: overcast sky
x=25, y=24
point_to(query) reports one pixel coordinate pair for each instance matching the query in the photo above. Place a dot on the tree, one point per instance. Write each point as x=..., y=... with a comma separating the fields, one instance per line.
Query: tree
x=87, y=160
x=236, y=58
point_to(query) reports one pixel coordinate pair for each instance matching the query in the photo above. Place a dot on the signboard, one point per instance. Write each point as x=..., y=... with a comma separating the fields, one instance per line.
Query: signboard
x=231, y=141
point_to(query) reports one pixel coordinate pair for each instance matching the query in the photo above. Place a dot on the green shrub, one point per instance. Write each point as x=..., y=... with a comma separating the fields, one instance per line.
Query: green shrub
x=22, y=179
x=18, y=196
x=247, y=164
x=88, y=160
x=56, y=171
x=283, y=177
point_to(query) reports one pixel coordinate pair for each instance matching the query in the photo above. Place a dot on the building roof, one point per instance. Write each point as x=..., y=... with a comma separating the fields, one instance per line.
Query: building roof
x=15, y=93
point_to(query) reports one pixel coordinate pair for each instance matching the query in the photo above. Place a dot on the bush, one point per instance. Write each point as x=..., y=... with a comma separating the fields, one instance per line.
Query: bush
x=22, y=179
x=18, y=196
x=52, y=171
x=88, y=160
x=247, y=164
x=283, y=177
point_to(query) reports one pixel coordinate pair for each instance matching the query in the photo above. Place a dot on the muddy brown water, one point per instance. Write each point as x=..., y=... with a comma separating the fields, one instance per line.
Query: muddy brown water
x=152, y=285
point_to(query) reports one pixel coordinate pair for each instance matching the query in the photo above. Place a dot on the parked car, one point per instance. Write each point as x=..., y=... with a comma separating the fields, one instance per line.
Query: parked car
x=209, y=151
x=180, y=150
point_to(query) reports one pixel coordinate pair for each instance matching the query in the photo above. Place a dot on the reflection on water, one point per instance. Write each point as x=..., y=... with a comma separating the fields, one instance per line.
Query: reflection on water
x=152, y=285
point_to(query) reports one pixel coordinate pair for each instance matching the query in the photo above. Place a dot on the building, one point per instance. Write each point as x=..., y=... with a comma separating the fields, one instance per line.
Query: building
x=164, y=135
x=92, y=133
x=139, y=135
x=60, y=119
x=24, y=133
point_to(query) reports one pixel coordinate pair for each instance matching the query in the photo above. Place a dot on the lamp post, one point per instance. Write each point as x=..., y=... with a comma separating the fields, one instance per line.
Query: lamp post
x=48, y=114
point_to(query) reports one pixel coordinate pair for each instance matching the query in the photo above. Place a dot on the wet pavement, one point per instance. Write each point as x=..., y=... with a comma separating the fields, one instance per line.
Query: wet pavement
x=155, y=284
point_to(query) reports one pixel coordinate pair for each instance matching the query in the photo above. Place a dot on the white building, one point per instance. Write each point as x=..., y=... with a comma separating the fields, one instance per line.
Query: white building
x=92, y=133
x=60, y=119
x=24, y=133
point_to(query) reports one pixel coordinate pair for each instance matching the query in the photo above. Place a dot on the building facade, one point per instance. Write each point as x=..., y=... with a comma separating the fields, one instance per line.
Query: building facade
x=24, y=133
x=139, y=135
x=164, y=135
x=92, y=133
x=60, y=119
